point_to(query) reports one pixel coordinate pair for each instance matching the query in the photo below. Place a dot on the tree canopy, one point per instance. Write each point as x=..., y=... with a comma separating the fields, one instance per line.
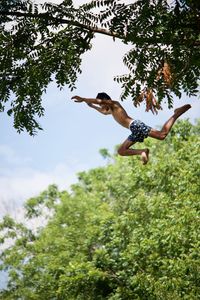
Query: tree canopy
x=124, y=232
x=42, y=42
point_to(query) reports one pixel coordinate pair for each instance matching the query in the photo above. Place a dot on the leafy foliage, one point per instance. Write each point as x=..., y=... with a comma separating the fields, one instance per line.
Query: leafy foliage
x=124, y=232
x=40, y=42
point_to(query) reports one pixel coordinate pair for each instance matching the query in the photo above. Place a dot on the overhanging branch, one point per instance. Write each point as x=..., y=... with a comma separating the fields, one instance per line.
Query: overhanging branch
x=63, y=21
x=138, y=40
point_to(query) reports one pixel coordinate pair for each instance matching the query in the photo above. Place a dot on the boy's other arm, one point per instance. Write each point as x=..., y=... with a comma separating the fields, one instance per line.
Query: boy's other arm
x=99, y=109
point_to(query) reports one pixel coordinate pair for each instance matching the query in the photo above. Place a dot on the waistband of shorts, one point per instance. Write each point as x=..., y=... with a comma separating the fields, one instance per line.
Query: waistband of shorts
x=130, y=123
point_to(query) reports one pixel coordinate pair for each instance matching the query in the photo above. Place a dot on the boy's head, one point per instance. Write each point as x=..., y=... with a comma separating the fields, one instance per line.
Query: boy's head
x=103, y=96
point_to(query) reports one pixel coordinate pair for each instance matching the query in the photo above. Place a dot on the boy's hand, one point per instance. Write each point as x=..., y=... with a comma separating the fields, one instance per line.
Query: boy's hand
x=77, y=99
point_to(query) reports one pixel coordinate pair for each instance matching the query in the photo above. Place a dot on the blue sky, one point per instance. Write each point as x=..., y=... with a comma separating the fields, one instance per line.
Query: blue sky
x=73, y=133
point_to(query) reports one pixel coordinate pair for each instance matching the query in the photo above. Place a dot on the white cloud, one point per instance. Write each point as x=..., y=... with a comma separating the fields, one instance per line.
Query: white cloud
x=8, y=155
x=21, y=184
x=19, y=181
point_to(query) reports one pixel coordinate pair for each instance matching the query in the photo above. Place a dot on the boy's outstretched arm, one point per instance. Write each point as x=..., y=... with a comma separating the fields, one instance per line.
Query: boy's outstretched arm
x=92, y=100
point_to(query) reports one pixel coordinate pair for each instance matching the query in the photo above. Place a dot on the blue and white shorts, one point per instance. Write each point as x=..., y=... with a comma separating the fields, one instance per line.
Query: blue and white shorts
x=139, y=130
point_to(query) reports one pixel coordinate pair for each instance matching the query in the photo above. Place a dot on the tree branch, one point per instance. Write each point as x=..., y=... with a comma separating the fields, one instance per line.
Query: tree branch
x=96, y=29
x=62, y=21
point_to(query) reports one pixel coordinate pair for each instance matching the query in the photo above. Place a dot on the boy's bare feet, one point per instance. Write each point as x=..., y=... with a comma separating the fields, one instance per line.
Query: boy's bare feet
x=145, y=156
x=181, y=110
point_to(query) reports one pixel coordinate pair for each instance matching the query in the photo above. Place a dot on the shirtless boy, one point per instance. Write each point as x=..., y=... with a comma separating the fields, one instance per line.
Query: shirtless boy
x=139, y=130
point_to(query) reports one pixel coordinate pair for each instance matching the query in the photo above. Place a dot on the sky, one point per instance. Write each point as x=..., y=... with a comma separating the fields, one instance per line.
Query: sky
x=72, y=132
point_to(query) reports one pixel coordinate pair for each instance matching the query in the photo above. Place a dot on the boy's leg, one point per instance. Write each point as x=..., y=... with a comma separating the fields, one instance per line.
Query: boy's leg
x=125, y=150
x=161, y=135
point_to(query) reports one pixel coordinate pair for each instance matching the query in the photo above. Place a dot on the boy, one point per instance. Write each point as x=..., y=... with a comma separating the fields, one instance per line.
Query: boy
x=139, y=131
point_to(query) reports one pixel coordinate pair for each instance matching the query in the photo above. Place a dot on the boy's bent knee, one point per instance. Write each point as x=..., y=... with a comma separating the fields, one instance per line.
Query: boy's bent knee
x=163, y=135
x=121, y=151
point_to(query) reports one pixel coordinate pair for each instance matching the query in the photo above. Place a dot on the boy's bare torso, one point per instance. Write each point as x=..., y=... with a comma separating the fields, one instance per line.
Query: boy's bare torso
x=118, y=113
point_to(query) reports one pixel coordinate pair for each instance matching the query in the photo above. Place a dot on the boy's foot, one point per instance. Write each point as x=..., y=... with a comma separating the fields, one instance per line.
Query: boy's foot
x=181, y=110
x=145, y=156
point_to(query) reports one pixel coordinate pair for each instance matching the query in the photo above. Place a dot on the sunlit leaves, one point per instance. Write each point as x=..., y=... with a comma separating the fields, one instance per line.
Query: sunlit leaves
x=125, y=231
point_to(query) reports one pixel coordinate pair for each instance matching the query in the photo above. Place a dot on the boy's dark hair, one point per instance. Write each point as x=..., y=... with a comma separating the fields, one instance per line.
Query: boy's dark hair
x=103, y=96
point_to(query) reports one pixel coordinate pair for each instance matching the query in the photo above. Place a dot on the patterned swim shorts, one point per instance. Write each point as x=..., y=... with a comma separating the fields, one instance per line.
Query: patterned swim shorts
x=139, y=130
